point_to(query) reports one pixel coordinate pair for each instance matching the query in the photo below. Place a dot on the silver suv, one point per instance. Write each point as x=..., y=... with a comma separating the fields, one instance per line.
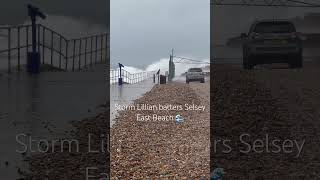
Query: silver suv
x=194, y=74
x=272, y=41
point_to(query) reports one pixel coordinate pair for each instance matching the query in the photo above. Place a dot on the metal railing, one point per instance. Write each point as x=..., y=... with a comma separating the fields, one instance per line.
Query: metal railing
x=55, y=50
x=129, y=78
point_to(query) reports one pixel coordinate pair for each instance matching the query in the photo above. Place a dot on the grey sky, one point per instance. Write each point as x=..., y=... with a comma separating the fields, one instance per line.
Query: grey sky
x=231, y=21
x=144, y=31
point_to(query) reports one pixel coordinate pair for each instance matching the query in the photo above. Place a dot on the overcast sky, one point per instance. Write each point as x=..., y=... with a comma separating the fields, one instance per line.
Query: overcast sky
x=144, y=31
x=93, y=11
x=231, y=21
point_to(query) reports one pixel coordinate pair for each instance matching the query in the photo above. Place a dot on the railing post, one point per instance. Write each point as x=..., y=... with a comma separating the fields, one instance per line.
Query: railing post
x=27, y=40
x=33, y=36
x=120, y=77
x=74, y=52
x=60, y=51
x=66, y=57
x=51, y=60
x=85, y=52
x=43, y=43
x=101, y=48
x=91, y=51
x=9, y=50
x=80, y=54
x=38, y=26
x=96, y=57
x=19, y=48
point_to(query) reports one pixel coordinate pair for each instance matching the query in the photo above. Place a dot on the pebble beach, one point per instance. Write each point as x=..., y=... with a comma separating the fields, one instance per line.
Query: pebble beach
x=162, y=148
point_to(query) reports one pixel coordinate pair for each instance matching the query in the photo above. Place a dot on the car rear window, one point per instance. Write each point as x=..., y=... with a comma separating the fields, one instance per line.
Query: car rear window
x=274, y=27
x=195, y=70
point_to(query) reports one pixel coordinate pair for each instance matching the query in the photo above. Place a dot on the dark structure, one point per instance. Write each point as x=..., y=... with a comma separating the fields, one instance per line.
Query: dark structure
x=33, y=61
x=158, y=74
x=120, y=75
x=163, y=79
x=171, y=69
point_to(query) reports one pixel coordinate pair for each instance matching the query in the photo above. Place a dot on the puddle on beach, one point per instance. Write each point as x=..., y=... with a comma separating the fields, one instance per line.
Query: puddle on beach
x=126, y=94
x=42, y=107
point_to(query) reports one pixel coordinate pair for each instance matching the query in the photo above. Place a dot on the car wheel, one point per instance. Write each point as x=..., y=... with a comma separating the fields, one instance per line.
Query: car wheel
x=202, y=81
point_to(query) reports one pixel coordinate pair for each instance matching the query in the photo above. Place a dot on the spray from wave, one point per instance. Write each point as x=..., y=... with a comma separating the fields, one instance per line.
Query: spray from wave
x=163, y=65
x=71, y=27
